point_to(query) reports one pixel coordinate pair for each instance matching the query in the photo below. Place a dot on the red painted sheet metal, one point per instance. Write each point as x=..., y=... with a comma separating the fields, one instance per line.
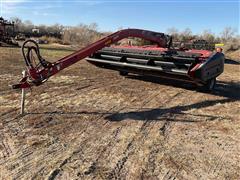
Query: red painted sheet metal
x=204, y=53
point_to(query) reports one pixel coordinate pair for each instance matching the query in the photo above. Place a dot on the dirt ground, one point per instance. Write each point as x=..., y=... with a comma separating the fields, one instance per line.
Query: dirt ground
x=91, y=123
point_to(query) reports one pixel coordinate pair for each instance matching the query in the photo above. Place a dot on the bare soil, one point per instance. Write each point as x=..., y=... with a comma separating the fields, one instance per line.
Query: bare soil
x=91, y=123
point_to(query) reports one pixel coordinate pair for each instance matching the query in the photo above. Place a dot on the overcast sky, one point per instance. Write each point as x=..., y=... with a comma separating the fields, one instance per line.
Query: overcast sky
x=157, y=15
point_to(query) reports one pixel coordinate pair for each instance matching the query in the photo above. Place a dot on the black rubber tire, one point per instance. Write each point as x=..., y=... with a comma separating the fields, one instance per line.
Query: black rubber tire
x=210, y=85
x=123, y=73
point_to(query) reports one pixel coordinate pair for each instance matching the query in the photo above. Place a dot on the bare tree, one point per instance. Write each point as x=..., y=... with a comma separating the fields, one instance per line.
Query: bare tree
x=173, y=32
x=19, y=26
x=82, y=34
x=227, y=34
x=208, y=36
x=28, y=26
x=186, y=35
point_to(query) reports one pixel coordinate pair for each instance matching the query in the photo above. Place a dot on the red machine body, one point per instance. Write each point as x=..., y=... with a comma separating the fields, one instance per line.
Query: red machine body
x=198, y=65
x=37, y=74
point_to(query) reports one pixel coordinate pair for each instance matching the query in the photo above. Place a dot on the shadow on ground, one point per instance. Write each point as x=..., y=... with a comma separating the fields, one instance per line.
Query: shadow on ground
x=158, y=114
x=228, y=90
x=231, y=61
x=168, y=114
x=224, y=89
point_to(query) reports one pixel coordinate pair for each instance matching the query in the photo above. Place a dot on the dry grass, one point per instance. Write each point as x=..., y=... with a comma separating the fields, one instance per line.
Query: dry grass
x=51, y=40
x=234, y=55
x=89, y=123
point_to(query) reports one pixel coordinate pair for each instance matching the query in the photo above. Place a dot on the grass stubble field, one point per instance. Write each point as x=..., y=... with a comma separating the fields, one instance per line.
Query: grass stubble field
x=90, y=123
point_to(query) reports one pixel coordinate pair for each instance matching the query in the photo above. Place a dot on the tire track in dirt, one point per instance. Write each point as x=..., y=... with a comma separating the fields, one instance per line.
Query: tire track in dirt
x=171, y=175
x=176, y=167
x=116, y=172
x=143, y=126
x=116, y=131
x=89, y=137
x=112, y=141
x=65, y=161
x=7, y=139
x=93, y=166
x=159, y=146
x=26, y=156
x=24, y=160
x=58, y=153
x=140, y=136
x=96, y=119
x=181, y=161
x=6, y=150
x=80, y=147
x=8, y=115
x=220, y=161
x=23, y=155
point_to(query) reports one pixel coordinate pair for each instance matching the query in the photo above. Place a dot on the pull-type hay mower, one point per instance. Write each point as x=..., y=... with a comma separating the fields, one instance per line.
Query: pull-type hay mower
x=199, y=66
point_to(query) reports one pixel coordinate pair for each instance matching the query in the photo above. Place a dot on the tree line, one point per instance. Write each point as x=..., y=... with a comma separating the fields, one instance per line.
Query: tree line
x=227, y=34
x=83, y=34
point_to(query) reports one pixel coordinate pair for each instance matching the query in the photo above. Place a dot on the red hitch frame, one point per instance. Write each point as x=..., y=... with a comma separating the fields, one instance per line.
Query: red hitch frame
x=39, y=73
